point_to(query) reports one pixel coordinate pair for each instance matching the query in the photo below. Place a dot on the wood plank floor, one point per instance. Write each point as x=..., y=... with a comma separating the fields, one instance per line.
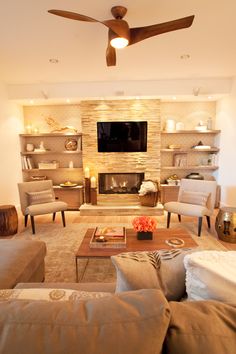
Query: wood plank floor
x=74, y=217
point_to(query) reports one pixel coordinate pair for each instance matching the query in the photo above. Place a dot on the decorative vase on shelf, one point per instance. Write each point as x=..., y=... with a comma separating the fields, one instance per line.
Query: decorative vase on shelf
x=144, y=235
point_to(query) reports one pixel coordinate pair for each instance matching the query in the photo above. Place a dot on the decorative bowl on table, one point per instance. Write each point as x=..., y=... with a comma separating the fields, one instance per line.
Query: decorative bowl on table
x=68, y=184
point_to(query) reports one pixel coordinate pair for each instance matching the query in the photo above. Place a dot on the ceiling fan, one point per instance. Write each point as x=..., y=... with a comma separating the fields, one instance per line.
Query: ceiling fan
x=120, y=35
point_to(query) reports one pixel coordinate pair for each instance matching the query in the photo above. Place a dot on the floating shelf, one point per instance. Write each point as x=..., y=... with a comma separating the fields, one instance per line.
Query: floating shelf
x=211, y=168
x=50, y=152
x=51, y=135
x=53, y=169
x=190, y=150
x=192, y=132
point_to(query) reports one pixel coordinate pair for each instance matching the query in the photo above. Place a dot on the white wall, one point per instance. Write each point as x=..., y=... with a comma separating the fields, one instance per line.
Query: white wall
x=11, y=124
x=226, y=121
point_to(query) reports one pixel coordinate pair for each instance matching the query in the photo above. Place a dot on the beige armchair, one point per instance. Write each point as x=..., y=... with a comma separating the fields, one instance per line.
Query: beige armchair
x=195, y=198
x=38, y=198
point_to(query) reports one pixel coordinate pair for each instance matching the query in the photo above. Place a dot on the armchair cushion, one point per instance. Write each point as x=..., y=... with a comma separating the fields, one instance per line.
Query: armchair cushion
x=46, y=208
x=196, y=198
x=41, y=197
x=187, y=209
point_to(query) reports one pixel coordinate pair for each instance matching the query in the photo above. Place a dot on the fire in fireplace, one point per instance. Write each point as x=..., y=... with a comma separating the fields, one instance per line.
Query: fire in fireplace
x=119, y=183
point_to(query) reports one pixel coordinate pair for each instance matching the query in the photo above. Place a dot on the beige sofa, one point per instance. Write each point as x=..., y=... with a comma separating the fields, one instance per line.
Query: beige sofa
x=134, y=322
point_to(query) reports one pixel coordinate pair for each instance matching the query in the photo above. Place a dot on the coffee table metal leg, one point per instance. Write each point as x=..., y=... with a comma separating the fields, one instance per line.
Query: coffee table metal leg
x=77, y=269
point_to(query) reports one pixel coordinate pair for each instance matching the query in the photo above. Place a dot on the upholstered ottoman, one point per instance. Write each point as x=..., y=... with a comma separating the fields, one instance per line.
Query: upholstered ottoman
x=21, y=261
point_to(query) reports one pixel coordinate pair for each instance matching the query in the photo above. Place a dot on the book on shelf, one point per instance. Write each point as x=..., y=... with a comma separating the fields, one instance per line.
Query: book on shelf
x=27, y=163
x=108, y=237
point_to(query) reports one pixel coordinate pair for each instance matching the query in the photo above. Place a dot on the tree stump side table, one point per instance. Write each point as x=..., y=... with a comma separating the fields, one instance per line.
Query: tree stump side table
x=8, y=220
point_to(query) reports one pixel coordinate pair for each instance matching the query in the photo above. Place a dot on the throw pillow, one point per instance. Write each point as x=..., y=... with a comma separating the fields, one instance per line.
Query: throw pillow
x=163, y=269
x=49, y=294
x=201, y=327
x=135, y=322
x=197, y=198
x=211, y=275
x=41, y=197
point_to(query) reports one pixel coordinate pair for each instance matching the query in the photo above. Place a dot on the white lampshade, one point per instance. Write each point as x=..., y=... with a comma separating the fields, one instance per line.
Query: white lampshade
x=119, y=42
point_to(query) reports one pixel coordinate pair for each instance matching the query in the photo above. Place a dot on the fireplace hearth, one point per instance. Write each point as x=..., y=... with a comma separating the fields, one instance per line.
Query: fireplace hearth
x=119, y=183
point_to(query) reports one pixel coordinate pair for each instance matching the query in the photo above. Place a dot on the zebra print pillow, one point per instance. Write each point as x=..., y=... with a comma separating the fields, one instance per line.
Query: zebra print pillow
x=162, y=269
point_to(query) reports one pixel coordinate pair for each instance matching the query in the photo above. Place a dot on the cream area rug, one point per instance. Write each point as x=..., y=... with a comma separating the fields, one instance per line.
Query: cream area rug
x=62, y=243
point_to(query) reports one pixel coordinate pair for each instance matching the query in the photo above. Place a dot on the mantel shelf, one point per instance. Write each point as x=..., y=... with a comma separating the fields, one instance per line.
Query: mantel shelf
x=50, y=152
x=202, y=167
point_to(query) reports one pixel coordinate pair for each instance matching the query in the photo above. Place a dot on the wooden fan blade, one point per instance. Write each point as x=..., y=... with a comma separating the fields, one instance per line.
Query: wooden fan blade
x=110, y=53
x=120, y=27
x=72, y=15
x=138, y=34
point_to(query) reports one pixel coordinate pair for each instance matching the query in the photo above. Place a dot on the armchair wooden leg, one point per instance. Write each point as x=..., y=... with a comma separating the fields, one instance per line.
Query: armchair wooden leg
x=179, y=217
x=199, y=226
x=53, y=216
x=168, y=219
x=63, y=218
x=208, y=221
x=32, y=224
x=26, y=219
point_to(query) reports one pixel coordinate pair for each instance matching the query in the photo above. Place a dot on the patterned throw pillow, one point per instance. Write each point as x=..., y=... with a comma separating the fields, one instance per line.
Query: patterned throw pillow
x=163, y=269
x=197, y=198
x=41, y=197
x=49, y=294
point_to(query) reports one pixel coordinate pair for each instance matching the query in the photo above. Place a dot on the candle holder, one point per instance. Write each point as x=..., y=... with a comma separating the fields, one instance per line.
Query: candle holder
x=93, y=194
x=87, y=189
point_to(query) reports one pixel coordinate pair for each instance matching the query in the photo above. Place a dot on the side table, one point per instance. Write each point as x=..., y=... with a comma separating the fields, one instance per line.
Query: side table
x=8, y=220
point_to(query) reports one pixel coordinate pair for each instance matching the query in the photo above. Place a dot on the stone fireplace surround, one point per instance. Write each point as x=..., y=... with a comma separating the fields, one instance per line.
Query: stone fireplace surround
x=146, y=163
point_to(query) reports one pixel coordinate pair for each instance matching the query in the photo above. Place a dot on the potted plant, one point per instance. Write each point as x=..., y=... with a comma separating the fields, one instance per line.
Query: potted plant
x=144, y=226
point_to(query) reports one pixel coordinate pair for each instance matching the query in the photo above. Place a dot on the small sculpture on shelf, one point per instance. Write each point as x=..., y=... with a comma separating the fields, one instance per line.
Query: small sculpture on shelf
x=57, y=128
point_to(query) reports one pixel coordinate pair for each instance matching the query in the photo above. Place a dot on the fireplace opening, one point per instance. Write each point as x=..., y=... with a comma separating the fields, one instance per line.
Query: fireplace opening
x=119, y=183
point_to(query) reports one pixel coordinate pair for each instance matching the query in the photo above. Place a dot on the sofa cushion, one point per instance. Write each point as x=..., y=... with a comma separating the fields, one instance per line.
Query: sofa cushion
x=163, y=269
x=41, y=197
x=201, y=327
x=49, y=294
x=46, y=208
x=19, y=260
x=112, y=325
x=211, y=275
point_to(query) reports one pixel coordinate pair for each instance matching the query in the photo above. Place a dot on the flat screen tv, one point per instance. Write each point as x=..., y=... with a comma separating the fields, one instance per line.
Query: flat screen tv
x=122, y=136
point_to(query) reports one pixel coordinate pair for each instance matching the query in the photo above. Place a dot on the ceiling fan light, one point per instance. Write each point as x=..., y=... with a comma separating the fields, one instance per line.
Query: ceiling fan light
x=119, y=42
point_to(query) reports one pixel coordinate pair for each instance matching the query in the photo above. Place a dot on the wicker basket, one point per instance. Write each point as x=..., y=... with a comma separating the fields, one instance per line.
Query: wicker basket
x=150, y=199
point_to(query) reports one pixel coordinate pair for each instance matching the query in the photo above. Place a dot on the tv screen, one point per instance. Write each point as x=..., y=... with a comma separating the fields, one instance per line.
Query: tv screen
x=122, y=136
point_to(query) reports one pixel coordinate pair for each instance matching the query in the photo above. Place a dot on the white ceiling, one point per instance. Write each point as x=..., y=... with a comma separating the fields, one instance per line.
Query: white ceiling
x=29, y=36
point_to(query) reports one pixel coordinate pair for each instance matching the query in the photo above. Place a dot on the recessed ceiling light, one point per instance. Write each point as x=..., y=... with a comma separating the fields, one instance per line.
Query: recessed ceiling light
x=53, y=61
x=173, y=97
x=31, y=101
x=210, y=97
x=67, y=100
x=185, y=56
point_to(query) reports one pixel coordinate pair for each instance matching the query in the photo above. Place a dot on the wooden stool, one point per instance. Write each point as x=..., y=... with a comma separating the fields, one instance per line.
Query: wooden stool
x=8, y=220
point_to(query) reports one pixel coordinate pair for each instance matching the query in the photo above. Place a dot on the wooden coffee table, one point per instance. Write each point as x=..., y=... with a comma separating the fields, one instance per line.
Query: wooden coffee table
x=132, y=245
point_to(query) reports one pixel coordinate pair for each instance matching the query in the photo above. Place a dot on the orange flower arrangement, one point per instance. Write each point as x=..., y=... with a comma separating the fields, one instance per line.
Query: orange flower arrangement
x=144, y=224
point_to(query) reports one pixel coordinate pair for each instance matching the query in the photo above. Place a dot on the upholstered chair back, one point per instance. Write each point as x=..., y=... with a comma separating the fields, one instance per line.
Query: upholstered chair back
x=28, y=187
x=201, y=186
